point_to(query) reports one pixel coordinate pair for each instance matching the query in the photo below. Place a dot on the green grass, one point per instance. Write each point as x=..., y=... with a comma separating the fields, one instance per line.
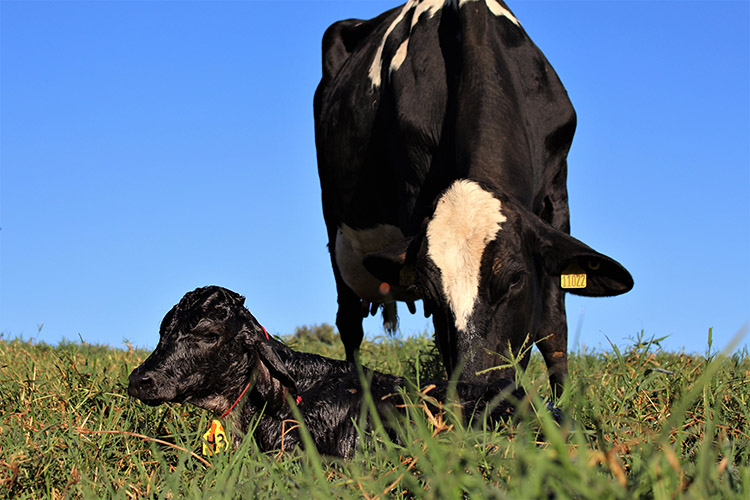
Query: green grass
x=648, y=424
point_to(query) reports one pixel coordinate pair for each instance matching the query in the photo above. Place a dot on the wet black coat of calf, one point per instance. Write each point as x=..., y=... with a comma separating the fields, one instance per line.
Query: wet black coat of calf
x=211, y=349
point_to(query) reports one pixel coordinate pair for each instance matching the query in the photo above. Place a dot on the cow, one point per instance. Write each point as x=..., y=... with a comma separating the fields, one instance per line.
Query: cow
x=442, y=135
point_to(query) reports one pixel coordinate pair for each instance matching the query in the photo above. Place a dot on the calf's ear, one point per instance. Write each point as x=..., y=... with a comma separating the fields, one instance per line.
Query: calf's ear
x=582, y=270
x=276, y=367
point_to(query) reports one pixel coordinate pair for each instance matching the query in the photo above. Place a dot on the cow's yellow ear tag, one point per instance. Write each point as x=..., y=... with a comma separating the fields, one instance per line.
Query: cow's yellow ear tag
x=215, y=440
x=573, y=277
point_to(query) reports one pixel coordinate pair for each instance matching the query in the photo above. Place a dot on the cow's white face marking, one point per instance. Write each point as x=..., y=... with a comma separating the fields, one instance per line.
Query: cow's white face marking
x=466, y=219
x=421, y=7
x=351, y=247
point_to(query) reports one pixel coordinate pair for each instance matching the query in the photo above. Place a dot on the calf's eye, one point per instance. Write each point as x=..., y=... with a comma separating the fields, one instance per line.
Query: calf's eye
x=212, y=335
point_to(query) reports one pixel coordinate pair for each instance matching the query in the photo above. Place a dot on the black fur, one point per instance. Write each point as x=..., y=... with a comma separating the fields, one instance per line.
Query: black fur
x=211, y=347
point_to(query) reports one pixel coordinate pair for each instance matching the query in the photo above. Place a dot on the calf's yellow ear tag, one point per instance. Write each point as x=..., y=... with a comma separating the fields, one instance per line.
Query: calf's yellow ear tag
x=215, y=440
x=573, y=277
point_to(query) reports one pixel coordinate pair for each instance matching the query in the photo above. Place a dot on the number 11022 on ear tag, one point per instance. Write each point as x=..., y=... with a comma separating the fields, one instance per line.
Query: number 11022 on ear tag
x=573, y=280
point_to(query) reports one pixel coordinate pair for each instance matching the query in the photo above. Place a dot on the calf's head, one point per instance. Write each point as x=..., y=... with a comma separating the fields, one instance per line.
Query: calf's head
x=209, y=344
x=485, y=268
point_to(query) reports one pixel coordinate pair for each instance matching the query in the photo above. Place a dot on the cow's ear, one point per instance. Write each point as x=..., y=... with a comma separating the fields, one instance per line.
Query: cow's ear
x=392, y=264
x=581, y=269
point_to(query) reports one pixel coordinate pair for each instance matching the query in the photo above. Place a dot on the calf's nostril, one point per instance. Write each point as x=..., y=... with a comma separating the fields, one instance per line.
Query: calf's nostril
x=140, y=382
x=146, y=382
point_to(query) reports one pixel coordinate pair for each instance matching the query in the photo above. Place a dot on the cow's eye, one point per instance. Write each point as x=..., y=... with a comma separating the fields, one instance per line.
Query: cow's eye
x=517, y=281
x=503, y=286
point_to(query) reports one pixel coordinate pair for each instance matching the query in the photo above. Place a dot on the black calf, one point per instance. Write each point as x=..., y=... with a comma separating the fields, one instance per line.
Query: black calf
x=213, y=353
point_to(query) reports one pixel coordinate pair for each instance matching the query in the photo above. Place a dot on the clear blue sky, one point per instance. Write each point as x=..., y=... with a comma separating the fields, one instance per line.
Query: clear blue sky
x=149, y=148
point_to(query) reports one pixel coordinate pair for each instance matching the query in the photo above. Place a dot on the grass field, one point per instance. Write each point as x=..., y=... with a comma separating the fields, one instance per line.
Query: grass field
x=648, y=424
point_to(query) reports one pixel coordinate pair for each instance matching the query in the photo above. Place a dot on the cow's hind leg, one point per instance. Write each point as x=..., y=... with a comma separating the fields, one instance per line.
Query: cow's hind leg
x=349, y=322
x=352, y=310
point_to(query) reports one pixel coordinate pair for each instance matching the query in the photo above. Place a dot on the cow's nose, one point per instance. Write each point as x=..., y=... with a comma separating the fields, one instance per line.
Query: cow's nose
x=139, y=384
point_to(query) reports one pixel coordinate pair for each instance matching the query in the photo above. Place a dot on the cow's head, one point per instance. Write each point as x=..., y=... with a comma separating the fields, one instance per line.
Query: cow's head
x=479, y=264
x=204, y=352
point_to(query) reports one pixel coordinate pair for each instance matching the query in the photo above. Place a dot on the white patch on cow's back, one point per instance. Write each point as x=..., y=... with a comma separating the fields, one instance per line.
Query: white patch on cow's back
x=377, y=63
x=400, y=56
x=466, y=219
x=497, y=9
x=420, y=7
x=351, y=247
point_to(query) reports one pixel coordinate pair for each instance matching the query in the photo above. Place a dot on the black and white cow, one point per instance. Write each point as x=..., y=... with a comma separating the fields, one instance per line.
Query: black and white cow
x=442, y=135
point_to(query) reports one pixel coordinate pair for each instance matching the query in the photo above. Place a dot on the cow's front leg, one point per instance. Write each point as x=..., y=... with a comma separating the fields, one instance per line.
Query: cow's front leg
x=553, y=329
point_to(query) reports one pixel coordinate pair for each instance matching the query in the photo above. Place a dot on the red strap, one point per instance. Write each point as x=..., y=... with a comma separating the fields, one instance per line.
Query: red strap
x=238, y=400
x=268, y=337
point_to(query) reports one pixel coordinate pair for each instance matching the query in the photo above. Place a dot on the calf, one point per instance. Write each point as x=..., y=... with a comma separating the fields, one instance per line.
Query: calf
x=213, y=353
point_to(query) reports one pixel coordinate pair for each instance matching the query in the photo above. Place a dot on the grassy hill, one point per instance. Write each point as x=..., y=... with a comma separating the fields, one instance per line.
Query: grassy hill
x=647, y=423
